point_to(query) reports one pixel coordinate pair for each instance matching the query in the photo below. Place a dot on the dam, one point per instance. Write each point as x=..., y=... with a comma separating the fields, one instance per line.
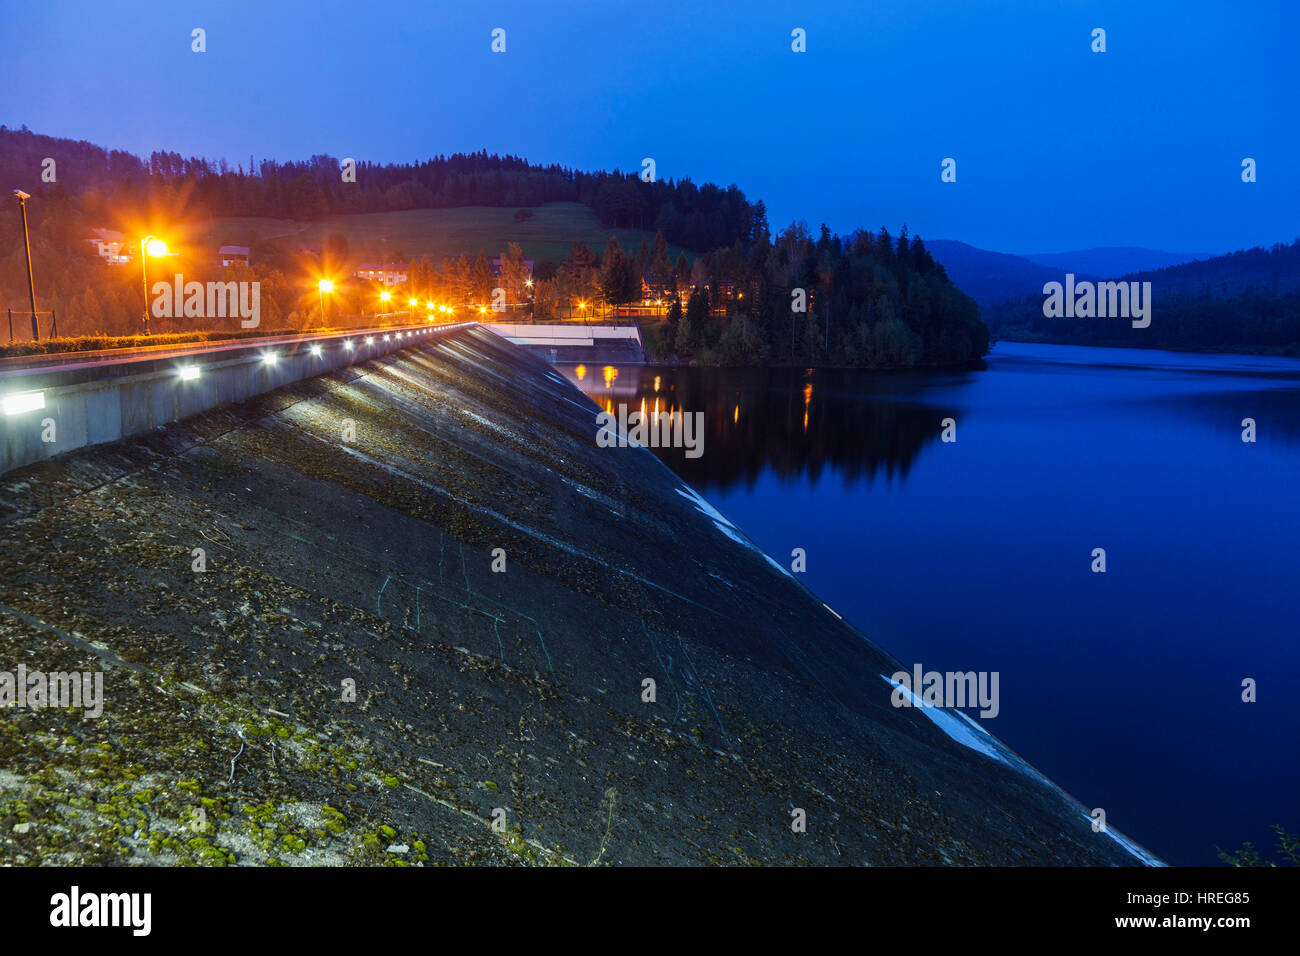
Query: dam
x=407, y=611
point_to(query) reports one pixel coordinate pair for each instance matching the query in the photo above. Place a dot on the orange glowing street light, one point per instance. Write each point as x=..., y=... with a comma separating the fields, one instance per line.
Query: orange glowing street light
x=325, y=285
x=149, y=246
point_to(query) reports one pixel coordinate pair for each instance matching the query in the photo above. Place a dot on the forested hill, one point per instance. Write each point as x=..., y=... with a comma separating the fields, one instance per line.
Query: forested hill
x=694, y=217
x=1247, y=301
x=749, y=296
x=1276, y=269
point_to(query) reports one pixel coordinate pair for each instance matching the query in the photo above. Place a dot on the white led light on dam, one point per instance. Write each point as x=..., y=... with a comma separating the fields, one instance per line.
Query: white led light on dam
x=370, y=340
x=385, y=337
x=347, y=344
x=315, y=350
x=270, y=358
x=21, y=402
x=189, y=373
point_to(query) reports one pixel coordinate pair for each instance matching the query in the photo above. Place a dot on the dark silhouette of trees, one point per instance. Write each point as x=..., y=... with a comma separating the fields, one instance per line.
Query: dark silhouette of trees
x=870, y=300
x=1248, y=301
x=620, y=280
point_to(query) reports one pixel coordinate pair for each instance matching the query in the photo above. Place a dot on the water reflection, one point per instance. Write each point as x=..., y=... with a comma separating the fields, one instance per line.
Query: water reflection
x=978, y=556
x=793, y=422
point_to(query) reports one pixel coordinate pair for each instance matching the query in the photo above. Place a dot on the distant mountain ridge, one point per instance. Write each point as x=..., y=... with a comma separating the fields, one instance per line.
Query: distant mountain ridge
x=991, y=277
x=1246, y=301
x=1111, y=262
x=1271, y=270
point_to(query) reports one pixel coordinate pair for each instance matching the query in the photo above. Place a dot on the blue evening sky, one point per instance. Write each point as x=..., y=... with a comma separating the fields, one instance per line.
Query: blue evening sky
x=1057, y=147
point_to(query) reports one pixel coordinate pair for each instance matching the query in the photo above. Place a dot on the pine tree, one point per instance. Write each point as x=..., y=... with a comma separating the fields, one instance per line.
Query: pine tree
x=682, y=270
x=674, y=319
x=660, y=264
x=643, y=257
x=514, y=274
x=619, y=280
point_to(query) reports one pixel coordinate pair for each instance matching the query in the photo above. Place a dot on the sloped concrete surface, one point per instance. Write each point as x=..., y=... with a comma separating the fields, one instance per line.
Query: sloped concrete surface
x=348, y=525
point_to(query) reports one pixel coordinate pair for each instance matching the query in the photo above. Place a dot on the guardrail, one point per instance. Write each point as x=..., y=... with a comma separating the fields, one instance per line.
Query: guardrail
x=70, y=400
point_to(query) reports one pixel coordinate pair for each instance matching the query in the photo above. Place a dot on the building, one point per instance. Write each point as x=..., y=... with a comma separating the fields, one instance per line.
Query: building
x=232, y=254
x=111, y=246
x=721, y=291
x=387, y=273
x=657, y=293
x=658, y=287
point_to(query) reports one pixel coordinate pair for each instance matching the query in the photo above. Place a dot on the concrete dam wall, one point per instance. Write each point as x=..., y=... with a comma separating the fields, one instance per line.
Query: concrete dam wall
x=408, y=612
x=104, y=396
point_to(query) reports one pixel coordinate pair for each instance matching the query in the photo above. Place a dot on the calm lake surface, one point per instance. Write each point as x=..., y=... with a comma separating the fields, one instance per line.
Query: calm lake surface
x=1123, y=687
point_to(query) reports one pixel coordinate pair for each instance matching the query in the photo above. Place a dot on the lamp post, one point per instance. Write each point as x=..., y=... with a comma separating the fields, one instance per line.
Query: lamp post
x=383, y=300
x=22, y=198
x=325, y=285
x=149, y=246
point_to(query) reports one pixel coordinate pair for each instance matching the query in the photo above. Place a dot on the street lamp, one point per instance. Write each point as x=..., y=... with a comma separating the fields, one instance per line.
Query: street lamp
x=325, y=285
x=149, y=246
x=22, y=198
x=384, y=297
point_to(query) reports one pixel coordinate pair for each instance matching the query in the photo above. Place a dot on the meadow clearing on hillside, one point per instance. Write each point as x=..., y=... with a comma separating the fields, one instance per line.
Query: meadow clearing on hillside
x=436, y=233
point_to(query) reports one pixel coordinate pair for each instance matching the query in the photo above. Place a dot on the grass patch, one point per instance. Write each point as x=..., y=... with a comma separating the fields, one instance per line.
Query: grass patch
x=435, y=233
x=91, y=343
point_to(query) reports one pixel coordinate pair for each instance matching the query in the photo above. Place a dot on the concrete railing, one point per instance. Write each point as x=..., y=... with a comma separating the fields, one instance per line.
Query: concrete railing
x=60, y=402
x=562, y=336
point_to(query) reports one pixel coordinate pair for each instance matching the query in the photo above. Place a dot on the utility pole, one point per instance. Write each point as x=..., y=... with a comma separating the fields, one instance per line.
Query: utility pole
x=144, y=280
x=27, y=244
x=149, y=246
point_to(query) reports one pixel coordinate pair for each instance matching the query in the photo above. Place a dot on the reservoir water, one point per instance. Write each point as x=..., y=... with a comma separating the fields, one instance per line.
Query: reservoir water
x=1124, y=687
